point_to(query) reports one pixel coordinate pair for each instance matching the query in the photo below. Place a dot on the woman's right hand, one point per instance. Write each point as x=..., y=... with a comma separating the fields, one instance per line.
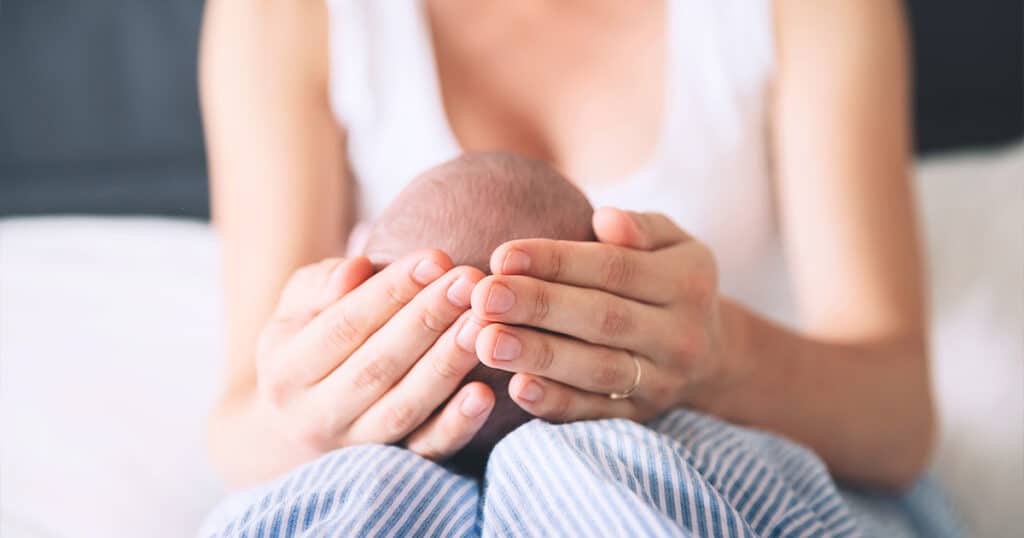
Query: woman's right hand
x=351, y=356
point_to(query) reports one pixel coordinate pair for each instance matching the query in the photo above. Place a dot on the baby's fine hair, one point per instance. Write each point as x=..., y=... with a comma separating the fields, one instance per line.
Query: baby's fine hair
x=470, y=205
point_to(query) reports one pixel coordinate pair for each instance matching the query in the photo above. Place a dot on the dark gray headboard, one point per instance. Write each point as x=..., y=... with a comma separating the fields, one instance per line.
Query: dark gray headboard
x=98, y=108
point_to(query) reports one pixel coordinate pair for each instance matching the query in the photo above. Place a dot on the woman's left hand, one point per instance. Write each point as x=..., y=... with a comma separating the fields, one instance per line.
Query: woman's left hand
x=576, y=320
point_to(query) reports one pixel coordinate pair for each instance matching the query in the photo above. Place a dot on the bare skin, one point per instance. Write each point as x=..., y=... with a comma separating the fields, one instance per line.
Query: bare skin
x=851, y=382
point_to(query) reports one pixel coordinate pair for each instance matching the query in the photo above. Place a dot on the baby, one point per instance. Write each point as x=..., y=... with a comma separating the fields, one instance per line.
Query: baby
x=467, y=207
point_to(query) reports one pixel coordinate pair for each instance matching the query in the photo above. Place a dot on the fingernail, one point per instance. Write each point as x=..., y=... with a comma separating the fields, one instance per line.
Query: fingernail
x=499, y=299
x=426, y=272
x=466, y=339
x=506, y=347
x=473, y=406
x=531, y=392
x=516, y=261
x=460, y=292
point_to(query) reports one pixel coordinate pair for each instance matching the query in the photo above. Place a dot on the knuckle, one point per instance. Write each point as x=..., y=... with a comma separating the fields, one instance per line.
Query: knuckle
x=376, y=374
x=432, y=322
x=400, y=418
x=616, y=320
x=545, y=355
x=342, y=332
x=445, y=368
x=617, y=271
x=561, y=407
x=400, y=289
x=541, y=304
x=608, y=374
x=556, y=262
x=396, y=295
x=312, y=433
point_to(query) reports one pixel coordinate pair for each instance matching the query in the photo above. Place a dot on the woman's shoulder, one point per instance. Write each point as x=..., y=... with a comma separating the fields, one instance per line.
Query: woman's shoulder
x=279, y=39
x=812, y=23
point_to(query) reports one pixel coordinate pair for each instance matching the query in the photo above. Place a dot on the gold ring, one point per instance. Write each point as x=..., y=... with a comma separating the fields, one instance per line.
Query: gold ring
x=636, y=383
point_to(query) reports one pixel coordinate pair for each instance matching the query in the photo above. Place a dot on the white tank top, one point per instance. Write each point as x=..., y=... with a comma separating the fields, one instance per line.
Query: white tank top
x=710, y=171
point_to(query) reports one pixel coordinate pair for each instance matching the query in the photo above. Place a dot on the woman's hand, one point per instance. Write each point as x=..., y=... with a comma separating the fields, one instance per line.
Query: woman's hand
x=355, y=357
x=577, y=319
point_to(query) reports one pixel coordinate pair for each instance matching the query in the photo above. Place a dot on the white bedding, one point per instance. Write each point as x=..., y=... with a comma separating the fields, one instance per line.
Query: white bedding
x=109, y=354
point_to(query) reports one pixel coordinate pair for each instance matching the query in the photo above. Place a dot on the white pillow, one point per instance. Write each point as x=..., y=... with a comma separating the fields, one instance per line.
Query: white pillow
x=110, y=346
x=973, y=210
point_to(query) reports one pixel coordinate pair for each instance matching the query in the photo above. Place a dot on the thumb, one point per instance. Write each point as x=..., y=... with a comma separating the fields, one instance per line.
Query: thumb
x=644, y=231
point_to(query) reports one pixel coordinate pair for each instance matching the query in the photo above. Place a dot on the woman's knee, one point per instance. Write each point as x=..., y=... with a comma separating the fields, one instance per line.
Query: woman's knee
x=339, y=487
x=538, y=442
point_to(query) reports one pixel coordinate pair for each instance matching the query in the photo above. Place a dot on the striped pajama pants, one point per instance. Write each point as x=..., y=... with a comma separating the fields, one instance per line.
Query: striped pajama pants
x=685, y=474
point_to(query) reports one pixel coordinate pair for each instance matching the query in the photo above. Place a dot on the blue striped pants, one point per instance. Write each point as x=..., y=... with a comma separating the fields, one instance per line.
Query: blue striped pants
x=685, y=474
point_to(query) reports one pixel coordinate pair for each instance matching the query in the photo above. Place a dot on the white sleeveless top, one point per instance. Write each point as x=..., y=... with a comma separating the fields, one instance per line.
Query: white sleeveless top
x=710, y=171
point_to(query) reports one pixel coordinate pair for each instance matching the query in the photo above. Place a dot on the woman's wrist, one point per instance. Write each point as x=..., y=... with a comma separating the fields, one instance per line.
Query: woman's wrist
x=864, y=407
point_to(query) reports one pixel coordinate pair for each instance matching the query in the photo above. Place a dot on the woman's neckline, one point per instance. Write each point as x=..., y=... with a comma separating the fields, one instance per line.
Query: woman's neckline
x=642, y=172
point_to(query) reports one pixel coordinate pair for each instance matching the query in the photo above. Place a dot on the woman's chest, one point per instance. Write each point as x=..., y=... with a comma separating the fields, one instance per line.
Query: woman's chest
x=582, y=87
x=691, y=145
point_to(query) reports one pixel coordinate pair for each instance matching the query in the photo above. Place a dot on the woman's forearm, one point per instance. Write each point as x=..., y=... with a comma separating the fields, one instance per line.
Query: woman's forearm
x=864, y=407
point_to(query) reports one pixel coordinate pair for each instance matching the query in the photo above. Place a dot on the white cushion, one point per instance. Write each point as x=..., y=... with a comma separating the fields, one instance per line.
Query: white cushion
x=110, y=345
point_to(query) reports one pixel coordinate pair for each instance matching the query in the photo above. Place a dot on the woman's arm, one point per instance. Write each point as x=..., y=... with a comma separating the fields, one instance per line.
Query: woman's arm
x=279, y=190
x=280, y=195
x=342, y=355
x=854, y=384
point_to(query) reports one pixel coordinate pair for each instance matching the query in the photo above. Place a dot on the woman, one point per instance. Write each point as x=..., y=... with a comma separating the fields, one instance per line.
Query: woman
x=732, y=127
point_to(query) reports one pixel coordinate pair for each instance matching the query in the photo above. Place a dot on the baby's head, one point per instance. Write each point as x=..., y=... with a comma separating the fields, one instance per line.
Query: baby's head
x=470, y=205
x=466, y=208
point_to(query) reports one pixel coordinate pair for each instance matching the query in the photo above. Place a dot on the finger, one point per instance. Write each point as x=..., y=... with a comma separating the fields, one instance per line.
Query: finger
x=314, y=287
x=592, y=315
x=386, y=357
x=627, y=272
x=310, y=289
x=456, y=424
x=575, y=363
x=430, y=382
x=644, y=231
x=345, y=278
x=343, y=327
x=556, y=402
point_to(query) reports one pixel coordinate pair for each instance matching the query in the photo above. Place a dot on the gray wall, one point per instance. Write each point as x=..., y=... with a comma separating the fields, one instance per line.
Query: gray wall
x=98, y=107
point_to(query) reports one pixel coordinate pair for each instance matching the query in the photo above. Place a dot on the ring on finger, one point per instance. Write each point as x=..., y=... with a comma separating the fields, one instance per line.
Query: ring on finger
x=636, y=382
